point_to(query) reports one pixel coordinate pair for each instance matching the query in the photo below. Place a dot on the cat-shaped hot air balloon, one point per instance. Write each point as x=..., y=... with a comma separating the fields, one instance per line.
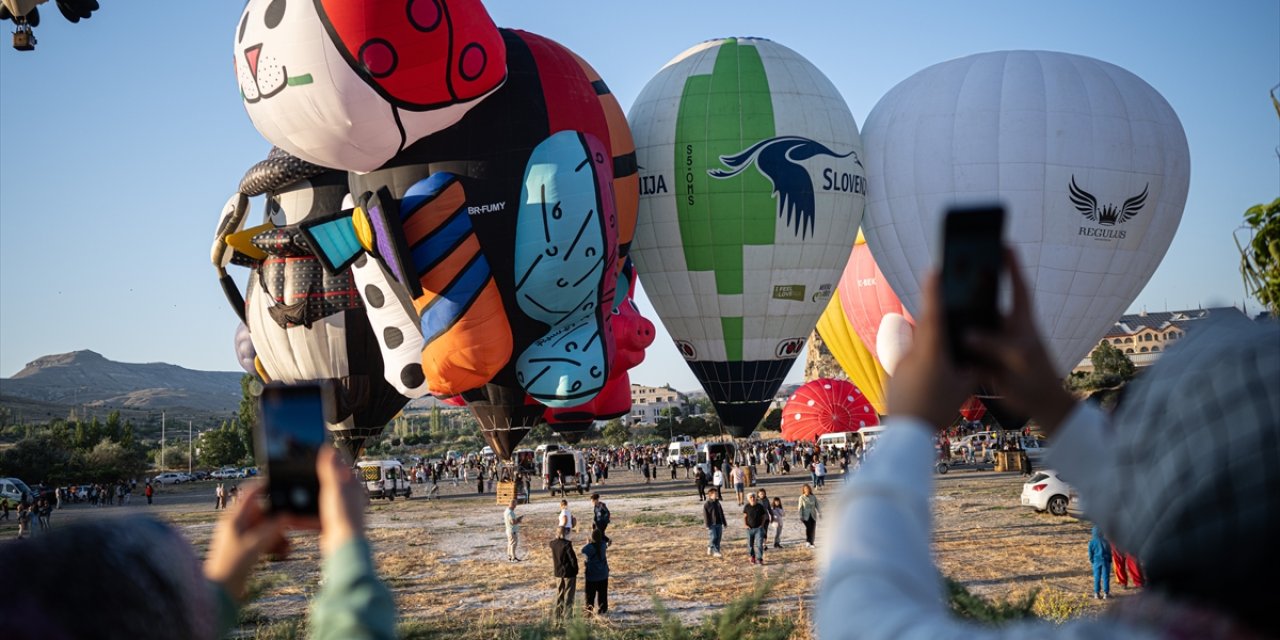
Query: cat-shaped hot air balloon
x=486, y=166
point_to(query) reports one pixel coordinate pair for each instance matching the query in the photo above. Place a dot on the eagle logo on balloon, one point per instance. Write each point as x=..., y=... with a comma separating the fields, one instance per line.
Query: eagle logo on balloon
x=778, y=159
x=1107, y=214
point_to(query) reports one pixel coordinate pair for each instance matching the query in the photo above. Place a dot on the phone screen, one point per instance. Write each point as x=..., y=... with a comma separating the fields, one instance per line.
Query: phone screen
x=291, y=434
x=972, y=257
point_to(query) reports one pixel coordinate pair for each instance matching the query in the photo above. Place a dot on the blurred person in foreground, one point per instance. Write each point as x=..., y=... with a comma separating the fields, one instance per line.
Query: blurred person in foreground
x=138, y=578
x=1189, y=463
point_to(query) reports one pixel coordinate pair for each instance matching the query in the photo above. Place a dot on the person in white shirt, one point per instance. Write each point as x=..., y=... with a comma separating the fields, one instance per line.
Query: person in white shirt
x=717, y=480
x=565, y=521
x=1195, y=446
x=511, y=521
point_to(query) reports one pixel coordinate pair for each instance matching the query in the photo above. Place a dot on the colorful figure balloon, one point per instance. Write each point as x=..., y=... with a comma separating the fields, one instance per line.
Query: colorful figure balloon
x=633, y=333
x=858, y=362
x=1090, y=161
x=751, y=192
x=305, y=324
x=824, y=406
x=485, y=226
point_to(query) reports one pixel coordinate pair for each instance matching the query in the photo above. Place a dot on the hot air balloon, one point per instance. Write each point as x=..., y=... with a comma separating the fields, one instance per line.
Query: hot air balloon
x=305, y=325
x=858, y=362
x=633, y=333
x=824, y=406
x=973, y=409
x=487, y=163
x=873, y=309
x=751, y=191
x=1089, y=160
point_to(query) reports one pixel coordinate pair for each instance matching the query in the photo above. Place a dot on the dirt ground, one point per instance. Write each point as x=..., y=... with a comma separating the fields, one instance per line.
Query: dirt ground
x=445, y=559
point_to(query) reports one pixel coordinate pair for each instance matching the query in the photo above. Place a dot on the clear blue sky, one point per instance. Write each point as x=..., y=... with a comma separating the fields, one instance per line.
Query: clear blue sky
x=121, y=137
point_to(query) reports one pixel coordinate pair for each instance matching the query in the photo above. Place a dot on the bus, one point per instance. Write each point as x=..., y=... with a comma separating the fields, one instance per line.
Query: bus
x=713, y=455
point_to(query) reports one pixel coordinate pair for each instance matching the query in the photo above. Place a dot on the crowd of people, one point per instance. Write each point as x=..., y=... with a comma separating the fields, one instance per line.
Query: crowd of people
x=1183, y=466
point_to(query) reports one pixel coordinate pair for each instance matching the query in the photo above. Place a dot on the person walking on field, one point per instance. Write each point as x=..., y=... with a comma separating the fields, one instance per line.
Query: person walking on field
x=565, y=563
x=1100, y=558
x=220, y=497
x=809, y=512
x=717, y=480
x=512, y=524
x=756, y=517
x=596, y=574
x=700, y=481
x=149, y=492
x=713, y=517
x=739, y=480
x=600, y=516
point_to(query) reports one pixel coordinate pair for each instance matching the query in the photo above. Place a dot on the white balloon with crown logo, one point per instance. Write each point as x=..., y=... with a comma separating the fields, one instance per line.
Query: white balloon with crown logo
x=1089, y=160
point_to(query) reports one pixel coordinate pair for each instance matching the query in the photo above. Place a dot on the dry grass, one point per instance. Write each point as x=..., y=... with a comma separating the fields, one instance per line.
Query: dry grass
x=445, y=561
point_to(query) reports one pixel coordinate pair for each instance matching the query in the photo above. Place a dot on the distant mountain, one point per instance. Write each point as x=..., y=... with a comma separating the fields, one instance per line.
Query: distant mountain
x=86, y=379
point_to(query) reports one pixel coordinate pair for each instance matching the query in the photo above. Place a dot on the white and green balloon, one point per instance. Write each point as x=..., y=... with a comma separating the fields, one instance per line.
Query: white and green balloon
x=752, y=188
x=1090, y=161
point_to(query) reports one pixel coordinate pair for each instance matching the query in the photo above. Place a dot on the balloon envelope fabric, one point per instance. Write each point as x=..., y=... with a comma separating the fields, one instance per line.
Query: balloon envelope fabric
x=751, y=190
x=826, y=405
x=1089, y=160
x=858, y=362
x=873, y=309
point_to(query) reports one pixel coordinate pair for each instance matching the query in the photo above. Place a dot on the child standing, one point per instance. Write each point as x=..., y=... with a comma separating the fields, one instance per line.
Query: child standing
x=776, y=512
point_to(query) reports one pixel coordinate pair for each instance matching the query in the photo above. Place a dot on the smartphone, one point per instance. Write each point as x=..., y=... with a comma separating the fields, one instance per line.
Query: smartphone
x=289, y=436
x=972, y=257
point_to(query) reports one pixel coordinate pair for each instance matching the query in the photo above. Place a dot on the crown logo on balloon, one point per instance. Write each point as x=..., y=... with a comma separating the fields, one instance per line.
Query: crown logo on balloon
x=1107, y=214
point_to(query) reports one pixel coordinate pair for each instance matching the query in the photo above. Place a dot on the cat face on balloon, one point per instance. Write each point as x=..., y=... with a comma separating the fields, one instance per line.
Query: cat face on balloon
x=348, y=85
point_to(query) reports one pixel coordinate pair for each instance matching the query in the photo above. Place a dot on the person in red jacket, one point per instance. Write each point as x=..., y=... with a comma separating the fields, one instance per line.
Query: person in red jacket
x=1126, y=571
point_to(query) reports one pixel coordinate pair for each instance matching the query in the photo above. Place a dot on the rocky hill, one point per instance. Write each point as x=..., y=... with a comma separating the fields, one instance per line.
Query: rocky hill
x=86, y=379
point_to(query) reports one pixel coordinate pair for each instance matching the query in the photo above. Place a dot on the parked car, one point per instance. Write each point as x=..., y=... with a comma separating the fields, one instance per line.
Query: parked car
x=985, y=438
x=1036, y=449
x=169, y=478
x=228, y=473
x=1045, y=491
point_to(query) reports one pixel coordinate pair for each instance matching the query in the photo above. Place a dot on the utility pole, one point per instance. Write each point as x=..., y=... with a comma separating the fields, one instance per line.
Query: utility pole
x=190, y=446
x=161, y=441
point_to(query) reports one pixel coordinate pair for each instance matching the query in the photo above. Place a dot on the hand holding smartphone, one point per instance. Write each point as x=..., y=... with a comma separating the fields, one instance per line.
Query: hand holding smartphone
x=972, y=258
x=289, y=436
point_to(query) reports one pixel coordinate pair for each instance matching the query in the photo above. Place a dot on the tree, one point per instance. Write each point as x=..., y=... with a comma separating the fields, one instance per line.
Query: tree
x=113, y=430
x=615, y=432
x=37, y=459
x=1260, y=259
x=221, y=447
x=772, y=421
x=109, y=462
x=247, y=414
x=1110, y=365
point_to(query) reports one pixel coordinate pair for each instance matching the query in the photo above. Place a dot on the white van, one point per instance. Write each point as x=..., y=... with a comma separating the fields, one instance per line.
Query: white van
x=565, y=469
x=543, y=448
x=384, y=478
x=16, y=491
x=713, y=455
x=866, y=439
x=839, y=440
x=681, y=448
